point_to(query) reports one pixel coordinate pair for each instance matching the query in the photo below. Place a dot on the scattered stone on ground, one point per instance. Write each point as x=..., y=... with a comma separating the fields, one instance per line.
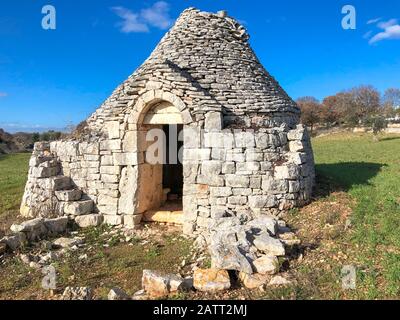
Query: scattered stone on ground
x=77, y=293
x=68, y=242
x=279, y=281
x=211, y=280
x=158, y=285
x=118, y=294
x=253, y=281
x=266, y=265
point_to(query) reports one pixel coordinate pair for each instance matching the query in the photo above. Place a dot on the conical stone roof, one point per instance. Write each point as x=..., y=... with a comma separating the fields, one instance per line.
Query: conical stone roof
x=207, y=61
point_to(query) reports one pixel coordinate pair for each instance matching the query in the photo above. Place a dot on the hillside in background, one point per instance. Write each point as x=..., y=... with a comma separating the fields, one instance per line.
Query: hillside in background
x=23, y=142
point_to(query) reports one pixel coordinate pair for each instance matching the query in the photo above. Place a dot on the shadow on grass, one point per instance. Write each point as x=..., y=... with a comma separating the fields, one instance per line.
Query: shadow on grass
x=343, y=176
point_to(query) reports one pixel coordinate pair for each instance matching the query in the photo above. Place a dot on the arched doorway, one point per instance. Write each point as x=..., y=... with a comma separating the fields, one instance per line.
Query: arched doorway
x=160, y=185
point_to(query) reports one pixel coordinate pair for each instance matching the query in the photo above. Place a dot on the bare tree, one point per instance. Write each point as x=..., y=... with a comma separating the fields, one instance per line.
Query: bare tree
x=367, y=102
x=310, y=111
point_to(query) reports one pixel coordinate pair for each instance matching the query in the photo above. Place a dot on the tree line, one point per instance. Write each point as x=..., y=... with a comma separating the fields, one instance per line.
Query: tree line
x=360, y=106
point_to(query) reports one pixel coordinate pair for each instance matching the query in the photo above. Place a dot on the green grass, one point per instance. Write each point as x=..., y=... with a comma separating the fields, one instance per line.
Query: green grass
x=370, y=173
x=13, y=175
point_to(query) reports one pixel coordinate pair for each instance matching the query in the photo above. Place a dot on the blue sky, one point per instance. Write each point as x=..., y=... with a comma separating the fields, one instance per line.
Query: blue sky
x=52, y=78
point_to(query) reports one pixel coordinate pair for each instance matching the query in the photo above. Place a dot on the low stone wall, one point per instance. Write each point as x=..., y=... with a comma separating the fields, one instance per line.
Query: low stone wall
x=246, y=173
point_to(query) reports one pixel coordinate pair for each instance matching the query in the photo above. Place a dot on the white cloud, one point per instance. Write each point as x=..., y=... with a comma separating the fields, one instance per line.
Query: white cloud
x=367, y=35
x=373, y=21
x=391, y=31
x=155, y=16
x=3, y=94
x=129, y=21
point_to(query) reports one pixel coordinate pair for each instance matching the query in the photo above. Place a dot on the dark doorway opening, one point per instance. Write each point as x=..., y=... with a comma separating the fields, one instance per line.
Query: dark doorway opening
x=173, y=169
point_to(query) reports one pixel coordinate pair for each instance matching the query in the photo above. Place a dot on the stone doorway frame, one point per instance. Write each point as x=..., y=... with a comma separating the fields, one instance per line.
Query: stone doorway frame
x=136, y=122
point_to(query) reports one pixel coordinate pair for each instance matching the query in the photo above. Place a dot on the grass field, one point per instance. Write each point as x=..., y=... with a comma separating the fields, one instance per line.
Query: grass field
x=353, y=220
x=369, y=172
x=13, y=175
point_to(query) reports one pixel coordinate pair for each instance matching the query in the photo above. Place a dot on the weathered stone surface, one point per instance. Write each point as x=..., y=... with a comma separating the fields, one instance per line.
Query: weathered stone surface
x=228, y=257
x=89, y=220
x=155, y=284
x=67, y=242
x=265, y=243
x=78, y=208
x=254, y=281
x=69, y=195
x=34, y=229
x=266, y=265
x=77, y=293
x=279, y=281
x=113, y=220
x=118, y=294
x=211, y=280
x=264, y=224
x=15, y=241
x=57, y=225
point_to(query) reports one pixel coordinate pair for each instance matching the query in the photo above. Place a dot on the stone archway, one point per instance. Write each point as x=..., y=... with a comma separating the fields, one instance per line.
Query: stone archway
x=157, y=111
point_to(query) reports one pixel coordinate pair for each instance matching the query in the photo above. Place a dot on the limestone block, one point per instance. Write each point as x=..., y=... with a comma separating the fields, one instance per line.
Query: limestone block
x=213, y=121
x=244, y=139
x=113, y=220
x=34, y=229
x=110, y=178
x=262, y=140
x=271, y=246
x=110, y=170
x=296, y=146
x=211, y=280
x=77, y=208
x=212, y=167
x=274, y=186
x=237, y=181
x=89, y=220
x=222, y=140
x=253, y=281
x=196, y=154
x=107, y=160
x=263, y=224
x=221, y=191
x=237, y=200
x=113, y=129
x=132, y=221
x=228, y=257
x=287, y=172
x=192, y=137
x=262, y=201
x=41, y=172
x=130, y=142
x=126, y=159
x=110, y=144
x=128, y=187
x=228, y=168
x=247, y=167
x=57, y=225
x=218, y=212
x=106, y=200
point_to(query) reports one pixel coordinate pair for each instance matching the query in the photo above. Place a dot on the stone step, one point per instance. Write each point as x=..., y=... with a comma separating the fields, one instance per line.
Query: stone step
x=173, y=217
x=78, y=208
x=69, y=195
x=59, y=183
